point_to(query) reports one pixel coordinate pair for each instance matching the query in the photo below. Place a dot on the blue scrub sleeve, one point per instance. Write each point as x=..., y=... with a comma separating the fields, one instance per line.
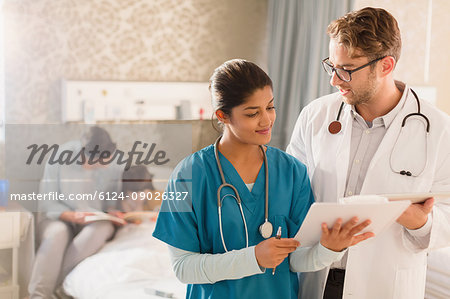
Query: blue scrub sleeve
x=302, y=200
x=177, y=222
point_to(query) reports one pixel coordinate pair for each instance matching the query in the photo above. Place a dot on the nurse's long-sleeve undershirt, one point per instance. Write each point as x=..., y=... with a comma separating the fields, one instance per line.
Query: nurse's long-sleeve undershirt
x=191, y=267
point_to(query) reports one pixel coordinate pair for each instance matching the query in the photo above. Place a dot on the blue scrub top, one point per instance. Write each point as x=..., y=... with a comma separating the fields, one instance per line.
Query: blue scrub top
x=192, y=224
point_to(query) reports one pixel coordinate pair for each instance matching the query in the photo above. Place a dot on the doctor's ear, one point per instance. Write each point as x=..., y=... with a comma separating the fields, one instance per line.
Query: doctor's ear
x=387, y=65
x=221, y=116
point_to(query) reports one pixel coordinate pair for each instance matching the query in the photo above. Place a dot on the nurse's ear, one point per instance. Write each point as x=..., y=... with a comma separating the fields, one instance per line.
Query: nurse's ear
x=222, y=116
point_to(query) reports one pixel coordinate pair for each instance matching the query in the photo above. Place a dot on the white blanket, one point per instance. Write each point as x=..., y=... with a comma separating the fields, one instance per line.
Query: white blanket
x=132, y=265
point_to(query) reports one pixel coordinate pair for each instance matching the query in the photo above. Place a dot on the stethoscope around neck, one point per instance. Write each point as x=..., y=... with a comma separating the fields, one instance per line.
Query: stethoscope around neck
x=335, y=127
x=266, y=228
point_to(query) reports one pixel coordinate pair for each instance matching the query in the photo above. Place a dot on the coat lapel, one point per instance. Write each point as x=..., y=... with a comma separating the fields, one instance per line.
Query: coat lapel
x=343, y=152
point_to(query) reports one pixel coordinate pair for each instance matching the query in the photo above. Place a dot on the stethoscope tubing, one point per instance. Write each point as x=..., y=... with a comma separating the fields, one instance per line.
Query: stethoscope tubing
x=335, y=127
x=236, y=194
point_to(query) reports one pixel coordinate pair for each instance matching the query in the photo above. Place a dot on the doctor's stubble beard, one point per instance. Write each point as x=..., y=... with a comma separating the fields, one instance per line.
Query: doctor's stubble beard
x=364, y=94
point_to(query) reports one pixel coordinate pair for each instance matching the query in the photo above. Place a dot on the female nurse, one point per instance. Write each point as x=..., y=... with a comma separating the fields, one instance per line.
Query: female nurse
x=227, y=256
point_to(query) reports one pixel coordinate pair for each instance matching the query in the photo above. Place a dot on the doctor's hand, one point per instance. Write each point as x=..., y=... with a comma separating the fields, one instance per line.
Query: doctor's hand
x=271, y=252
x=416, y=215
x=340, y=237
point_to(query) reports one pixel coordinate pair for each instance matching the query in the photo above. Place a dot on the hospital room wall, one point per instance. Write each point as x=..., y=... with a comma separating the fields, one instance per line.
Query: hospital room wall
x=139, y=40
x=131, y=40
x=173, y=40
x=417, y=66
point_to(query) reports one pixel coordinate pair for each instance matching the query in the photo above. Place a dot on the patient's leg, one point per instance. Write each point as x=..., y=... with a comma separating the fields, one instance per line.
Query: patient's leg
x=54, y=237
x=87, y=242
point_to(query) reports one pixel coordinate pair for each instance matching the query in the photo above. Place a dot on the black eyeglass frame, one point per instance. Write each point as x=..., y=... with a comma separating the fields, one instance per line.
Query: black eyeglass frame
x=350, y=72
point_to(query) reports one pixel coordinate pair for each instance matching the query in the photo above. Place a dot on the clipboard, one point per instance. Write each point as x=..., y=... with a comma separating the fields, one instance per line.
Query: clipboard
x=417, y=197
x=382, y=215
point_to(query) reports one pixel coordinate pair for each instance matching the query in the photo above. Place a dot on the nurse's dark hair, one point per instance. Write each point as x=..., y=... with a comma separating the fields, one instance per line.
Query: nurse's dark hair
x=233, y=82
x=373, y=31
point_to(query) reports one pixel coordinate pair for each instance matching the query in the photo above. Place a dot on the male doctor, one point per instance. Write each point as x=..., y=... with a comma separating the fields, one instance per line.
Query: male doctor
x=369, y=138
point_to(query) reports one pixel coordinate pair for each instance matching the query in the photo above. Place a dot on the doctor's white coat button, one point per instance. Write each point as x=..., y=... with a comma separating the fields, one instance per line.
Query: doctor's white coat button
x=357, y=161
x=349, y=193
x=367, y=131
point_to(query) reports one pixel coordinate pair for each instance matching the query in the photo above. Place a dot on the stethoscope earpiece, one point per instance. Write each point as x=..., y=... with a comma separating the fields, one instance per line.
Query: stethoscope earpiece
x=407, y=173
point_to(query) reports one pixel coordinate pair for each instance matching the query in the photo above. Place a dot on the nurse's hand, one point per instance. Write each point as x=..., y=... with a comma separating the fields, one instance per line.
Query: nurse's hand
x=416, y=215
x=271, y=252
x=340, y=237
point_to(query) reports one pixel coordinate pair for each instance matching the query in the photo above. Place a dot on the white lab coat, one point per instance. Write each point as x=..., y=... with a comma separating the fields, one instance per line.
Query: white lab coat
x=392, y=265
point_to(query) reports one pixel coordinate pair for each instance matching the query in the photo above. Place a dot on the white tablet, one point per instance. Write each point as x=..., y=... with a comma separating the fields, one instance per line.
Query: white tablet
x=417, y=197
x=382, y=215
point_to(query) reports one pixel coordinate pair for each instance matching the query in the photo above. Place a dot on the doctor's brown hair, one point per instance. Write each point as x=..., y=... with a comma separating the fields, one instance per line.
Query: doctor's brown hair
x=233, y=82
x=373, y=31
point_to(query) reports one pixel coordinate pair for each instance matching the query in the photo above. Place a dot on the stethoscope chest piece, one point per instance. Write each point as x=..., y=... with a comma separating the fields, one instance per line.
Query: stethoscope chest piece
x=266, y=229
x=335, y=127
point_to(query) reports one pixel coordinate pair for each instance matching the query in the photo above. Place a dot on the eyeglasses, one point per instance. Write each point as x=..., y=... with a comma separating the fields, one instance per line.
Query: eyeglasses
x=344, y=75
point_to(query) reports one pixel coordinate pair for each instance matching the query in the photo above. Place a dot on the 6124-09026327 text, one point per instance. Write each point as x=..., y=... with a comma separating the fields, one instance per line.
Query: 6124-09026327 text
x=56, y=196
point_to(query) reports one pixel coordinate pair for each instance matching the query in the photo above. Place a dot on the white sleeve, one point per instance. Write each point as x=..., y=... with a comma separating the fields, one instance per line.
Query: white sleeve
x=50, y=183
x=421, y=236
x=309, y=259
x=193, y=267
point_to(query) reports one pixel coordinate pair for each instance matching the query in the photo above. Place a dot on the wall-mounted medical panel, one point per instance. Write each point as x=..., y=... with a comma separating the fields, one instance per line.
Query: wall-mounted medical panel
x=97, y=101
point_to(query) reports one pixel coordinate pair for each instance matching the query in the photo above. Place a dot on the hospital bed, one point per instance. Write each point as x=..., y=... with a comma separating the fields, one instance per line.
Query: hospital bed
x=136, y=265
x=132, y=265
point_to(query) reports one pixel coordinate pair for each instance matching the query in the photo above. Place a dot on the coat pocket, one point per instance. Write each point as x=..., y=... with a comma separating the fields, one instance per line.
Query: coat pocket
x=410, y=283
